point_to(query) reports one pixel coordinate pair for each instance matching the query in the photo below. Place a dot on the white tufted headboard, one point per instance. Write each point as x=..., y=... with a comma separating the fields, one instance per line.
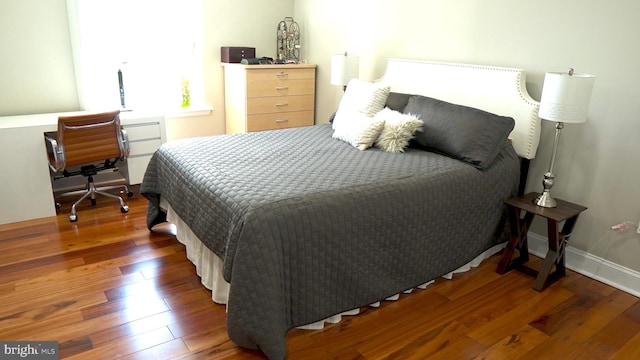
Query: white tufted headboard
x=497, y=90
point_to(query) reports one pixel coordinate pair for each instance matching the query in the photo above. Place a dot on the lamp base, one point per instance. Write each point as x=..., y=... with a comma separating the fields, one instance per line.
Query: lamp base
x=545, y=200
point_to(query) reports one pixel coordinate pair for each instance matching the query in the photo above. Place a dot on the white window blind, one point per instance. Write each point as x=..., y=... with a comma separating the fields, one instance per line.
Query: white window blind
x=155, y=43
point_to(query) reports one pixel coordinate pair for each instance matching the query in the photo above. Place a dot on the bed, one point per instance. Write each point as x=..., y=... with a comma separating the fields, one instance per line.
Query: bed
x=295, y=227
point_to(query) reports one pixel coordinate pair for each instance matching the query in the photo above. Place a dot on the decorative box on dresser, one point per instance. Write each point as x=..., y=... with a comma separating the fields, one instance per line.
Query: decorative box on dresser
x=268, y=97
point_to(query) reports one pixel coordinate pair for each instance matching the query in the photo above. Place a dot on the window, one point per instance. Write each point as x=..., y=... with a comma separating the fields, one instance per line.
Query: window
x=156, y=44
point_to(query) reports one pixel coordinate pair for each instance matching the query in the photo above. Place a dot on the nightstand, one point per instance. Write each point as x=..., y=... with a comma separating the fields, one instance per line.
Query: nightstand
x=564, y=211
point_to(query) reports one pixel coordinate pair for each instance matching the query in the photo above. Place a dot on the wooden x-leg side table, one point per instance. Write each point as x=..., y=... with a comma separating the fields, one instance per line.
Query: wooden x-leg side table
x=564, y=211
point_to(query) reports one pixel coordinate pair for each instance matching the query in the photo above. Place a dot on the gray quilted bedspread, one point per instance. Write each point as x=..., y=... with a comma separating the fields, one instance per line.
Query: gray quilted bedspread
x=309, y=226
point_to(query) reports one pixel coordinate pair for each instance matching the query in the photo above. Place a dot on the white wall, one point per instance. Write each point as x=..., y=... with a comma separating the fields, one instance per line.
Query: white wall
x=597, y=161
x=36, y=65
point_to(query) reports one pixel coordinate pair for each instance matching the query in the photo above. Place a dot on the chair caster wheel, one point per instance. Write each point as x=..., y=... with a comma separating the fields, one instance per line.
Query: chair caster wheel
x=58, y=206
x=130, y=194
x=124, y=209
x=73, y=218
x=93, y=202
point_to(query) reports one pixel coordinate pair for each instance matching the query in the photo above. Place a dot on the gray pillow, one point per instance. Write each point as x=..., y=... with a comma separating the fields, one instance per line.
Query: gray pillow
x=471, y=135
x=397, y=101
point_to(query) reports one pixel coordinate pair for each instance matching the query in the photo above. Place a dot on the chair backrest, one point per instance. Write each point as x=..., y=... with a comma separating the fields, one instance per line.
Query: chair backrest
x=91, y=138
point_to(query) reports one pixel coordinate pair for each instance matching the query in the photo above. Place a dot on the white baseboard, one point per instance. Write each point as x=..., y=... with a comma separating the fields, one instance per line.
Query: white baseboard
x=592, y=266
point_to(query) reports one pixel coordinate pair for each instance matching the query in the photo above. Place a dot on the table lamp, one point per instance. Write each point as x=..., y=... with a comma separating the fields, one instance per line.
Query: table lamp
x=565, y=99
x=344, y=67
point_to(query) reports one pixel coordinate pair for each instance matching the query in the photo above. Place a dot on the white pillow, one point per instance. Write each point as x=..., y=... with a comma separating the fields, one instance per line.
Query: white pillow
x=359, y=130
x=360, y=97
x=398, y=129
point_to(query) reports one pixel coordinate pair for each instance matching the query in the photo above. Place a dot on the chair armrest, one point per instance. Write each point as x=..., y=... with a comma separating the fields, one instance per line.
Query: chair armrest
x=55, y=153
x=125, y=148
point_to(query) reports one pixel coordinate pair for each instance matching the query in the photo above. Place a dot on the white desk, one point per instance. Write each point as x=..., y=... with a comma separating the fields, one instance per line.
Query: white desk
x=25, y=183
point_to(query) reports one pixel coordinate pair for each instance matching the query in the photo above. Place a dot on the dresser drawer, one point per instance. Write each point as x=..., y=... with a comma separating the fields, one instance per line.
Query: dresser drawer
x=144, y=147
x=276, y=87
x=137, y=166
x=143, y=132
x=280, y=74
x=279, y=121
x=279, y=104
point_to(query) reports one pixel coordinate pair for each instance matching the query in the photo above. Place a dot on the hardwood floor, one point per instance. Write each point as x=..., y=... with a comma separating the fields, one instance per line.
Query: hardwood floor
x=105, y=288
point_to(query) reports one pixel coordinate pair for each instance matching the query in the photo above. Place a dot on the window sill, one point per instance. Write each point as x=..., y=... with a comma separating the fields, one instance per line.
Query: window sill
x=189, y=112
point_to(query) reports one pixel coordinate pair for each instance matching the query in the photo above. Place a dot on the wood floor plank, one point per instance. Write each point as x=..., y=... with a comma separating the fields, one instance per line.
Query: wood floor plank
x=50, y=309
x=133, y=307
x=157, y=288
x=464, y=349
x=213, y=340
x=191, y=299
x=363, y=332
x=422, y=346
x=158, y=267
x=582, y=325
x=200, y=321
x=20, y=229
x=167, y=350
x=51, y=329
x=515, y=345
x=105, y=287
x=21, y=243
x=11, y=271
x=115, y=331
x=127, y=346
x=420, y=321
x=32, y=296
x=69, y=278
x=630, y=350
x=522, y=314
x=608, y=340
x=74, y=346
x=518, y=294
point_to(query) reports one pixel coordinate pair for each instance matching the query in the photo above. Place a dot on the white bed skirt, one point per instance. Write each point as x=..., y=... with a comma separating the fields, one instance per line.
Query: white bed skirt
x=209, y=268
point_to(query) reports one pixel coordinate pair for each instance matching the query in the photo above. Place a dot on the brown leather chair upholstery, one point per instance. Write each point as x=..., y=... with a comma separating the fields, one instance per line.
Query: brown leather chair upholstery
x=94, y=143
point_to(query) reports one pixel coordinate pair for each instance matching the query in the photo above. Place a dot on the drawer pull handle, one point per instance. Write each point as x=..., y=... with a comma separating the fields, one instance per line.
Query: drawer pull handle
x=282, y=73
x=283, y=104
x=280, y=121
x=282, y=88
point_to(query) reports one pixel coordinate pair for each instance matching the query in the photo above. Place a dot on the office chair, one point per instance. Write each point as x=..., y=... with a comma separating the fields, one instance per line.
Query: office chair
x=94, y=143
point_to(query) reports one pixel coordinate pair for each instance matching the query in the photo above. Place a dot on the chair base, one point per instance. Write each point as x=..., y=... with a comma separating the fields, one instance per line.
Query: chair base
x=91, y=191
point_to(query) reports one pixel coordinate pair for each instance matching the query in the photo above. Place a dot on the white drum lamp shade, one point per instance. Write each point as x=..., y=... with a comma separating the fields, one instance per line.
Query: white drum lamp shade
x=565, y=98
x=344, y=67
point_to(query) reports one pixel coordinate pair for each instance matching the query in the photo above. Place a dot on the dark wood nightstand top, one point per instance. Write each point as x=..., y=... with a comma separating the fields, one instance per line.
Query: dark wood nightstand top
x=563, y=211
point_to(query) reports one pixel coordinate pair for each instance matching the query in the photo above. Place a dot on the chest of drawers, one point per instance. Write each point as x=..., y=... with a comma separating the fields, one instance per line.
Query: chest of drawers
x=268, y=97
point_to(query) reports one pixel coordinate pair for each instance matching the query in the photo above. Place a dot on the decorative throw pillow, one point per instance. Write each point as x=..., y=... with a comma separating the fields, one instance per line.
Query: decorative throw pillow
x=469, y=134
x=395, y=101
x=398, y=129
x=359, y=130
x=361, y=97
